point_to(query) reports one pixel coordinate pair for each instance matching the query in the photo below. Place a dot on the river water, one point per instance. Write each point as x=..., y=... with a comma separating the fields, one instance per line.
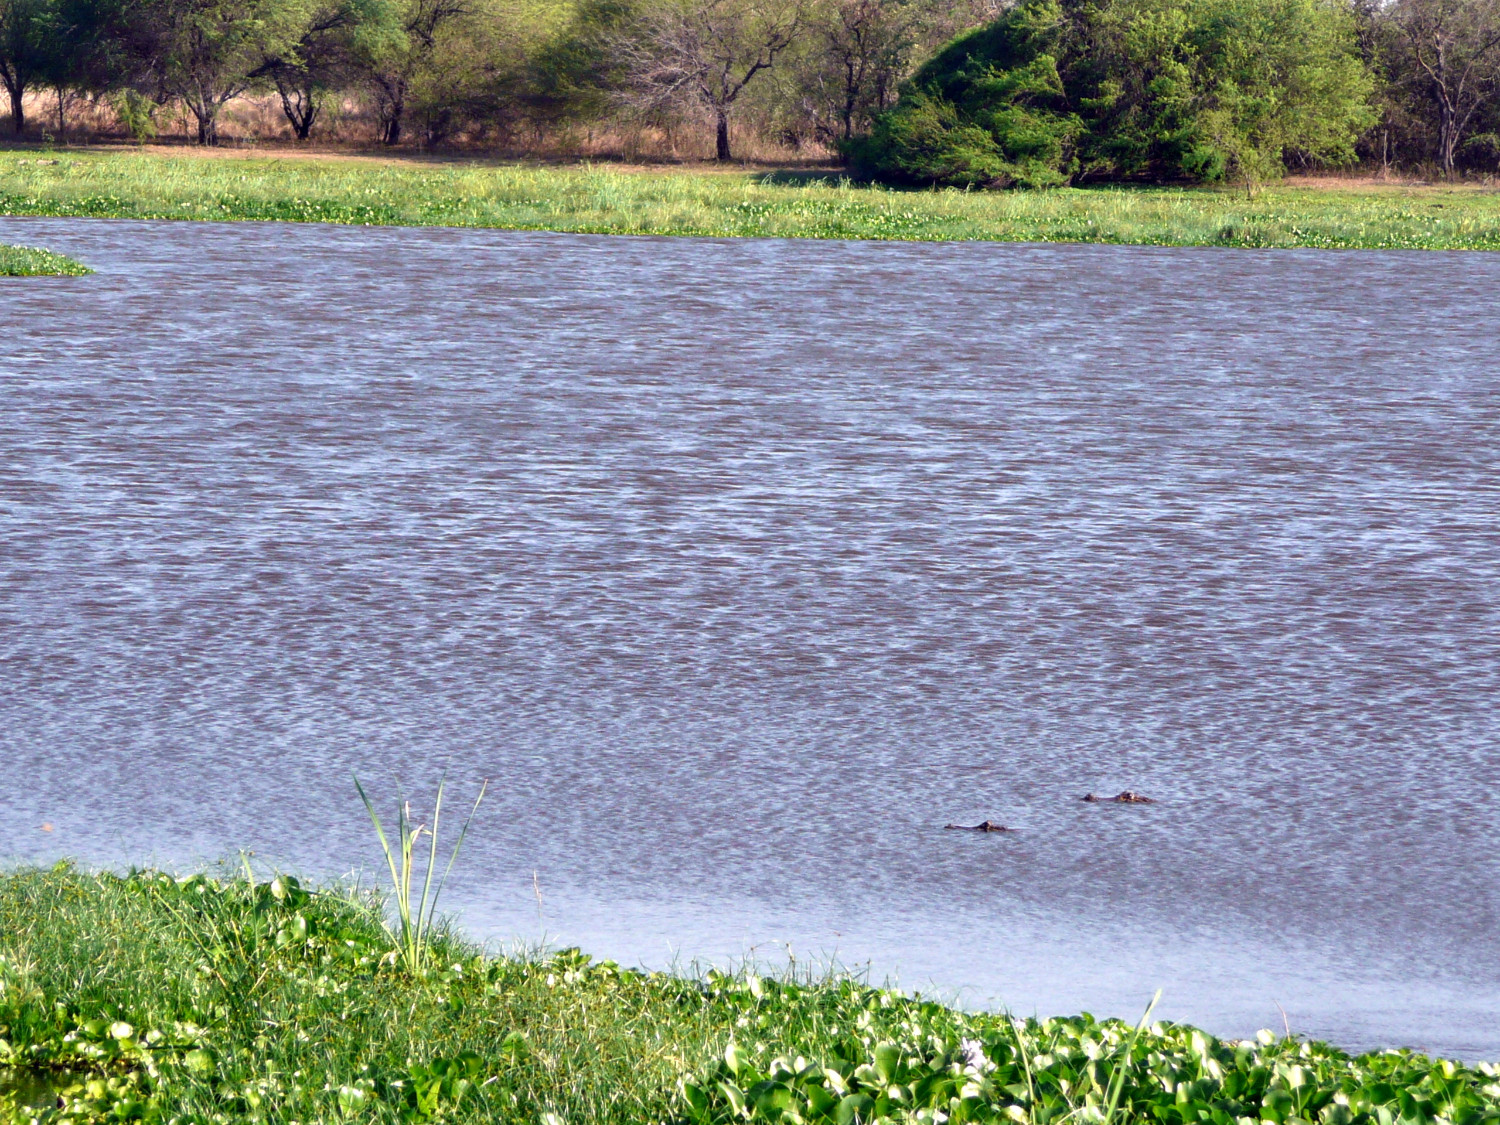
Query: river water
x=740, y=568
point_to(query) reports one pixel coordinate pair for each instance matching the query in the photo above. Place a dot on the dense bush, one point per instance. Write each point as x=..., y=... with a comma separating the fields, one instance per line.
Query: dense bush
x=1129, y=89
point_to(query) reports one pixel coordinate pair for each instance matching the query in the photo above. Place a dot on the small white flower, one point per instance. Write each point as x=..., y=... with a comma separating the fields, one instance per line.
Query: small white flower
x=972, y=1052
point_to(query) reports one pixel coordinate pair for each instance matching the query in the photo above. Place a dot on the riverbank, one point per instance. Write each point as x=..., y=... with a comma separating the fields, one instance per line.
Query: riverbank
x=145, y=997
x=24, y=261
x=171, y=184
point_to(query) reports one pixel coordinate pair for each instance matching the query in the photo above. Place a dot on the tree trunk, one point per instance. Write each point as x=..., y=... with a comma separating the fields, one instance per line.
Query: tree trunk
x=390, y=120
x=721, y=136
x=300, y=107
x=1448, y=141
x=17, y=109
x=62, y=116
x=390, y=107
x=851, y=98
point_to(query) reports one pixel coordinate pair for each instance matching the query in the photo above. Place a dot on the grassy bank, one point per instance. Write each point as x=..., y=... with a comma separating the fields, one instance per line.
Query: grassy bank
x=173, y=185
x=151, y=998
x=23, y=261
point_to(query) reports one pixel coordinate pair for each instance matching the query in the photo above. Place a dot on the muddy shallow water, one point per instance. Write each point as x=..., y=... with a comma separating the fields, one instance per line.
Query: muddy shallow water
x=741, y=568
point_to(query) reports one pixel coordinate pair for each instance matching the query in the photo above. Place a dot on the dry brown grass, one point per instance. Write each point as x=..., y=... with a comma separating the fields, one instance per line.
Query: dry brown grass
x=255, y=125
x=345, y=130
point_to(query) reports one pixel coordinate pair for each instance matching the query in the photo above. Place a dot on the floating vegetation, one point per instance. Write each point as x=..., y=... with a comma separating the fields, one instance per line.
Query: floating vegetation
x=604, y=200
x=153, y=998
x=24, y=261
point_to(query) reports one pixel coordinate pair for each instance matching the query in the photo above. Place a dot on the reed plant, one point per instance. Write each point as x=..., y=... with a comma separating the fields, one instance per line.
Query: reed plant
x=413, y=929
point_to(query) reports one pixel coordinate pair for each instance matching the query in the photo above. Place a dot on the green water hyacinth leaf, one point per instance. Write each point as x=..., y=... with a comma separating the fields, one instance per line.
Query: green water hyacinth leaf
x=735, y=1097
x=854, y=1107
x=353, y=1100
x=732, y=1058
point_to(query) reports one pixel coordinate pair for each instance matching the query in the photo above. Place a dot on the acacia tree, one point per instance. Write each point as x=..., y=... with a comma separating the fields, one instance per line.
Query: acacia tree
x=862, y=50
x=27, y=35
x=321, y=60
x=1450, y=52
x=207, y=52
x=86, y=52
x=394, y=52
x=704, y=53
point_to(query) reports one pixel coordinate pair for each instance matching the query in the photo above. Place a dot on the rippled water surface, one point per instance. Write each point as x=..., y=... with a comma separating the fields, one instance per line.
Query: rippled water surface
x=741, y=568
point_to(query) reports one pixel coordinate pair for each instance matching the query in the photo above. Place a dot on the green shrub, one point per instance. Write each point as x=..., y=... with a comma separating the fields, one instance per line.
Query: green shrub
x=988, y=111
x=1160, y=90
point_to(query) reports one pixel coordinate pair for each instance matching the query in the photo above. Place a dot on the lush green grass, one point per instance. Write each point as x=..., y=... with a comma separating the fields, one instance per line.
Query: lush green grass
x=22, y=261
x=204, y=1000
x=128, y=184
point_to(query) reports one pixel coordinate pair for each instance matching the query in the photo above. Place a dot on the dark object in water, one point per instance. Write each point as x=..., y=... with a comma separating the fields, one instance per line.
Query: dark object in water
x=1128, y=797
x=987, y=826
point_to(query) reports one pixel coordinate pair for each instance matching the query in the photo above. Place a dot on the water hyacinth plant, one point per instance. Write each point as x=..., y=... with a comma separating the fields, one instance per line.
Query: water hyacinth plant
x=605, y=200
x=903, y=1059
x=153, y=998
x=414, y=927
x=24, y=261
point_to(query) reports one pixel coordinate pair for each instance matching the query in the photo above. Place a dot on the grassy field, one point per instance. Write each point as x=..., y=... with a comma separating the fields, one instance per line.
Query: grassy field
x=180, y=184
x=151, y=998
x=23, y=261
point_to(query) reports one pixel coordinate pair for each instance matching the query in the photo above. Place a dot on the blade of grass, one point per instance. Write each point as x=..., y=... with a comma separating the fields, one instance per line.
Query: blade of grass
x=1117, y=1079
x=422, y=916
x=463, y=832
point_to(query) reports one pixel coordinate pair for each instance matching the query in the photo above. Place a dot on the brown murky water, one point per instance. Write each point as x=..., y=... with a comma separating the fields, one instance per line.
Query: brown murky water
x=741, y=568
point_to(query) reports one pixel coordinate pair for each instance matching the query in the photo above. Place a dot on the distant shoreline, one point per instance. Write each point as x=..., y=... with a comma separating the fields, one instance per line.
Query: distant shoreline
x=802, y=202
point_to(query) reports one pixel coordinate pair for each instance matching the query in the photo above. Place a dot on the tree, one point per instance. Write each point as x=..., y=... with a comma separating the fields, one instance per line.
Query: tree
x=575, y=73
x=91, y=53
x=861, y=52
x=704, y=53
x=27, y=30
x=1232, y=88
x=321, y=60
x=395, y=49
x=1450, y=53
x=207, y=52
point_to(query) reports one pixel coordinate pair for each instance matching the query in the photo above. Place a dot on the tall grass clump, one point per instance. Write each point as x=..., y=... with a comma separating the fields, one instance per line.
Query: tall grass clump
x=413, y=929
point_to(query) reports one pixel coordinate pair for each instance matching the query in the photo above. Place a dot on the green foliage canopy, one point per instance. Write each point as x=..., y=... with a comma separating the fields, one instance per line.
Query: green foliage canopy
x=1061, y=90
